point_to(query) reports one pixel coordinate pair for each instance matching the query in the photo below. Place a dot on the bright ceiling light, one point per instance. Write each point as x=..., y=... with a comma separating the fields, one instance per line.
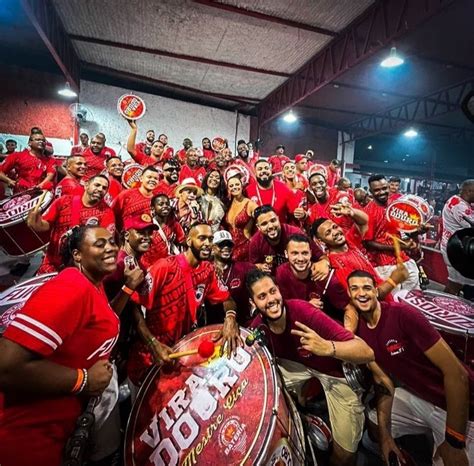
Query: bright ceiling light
x=392, y=60
x=290, y=117
x=370, y=147
x=410, y=133
x=67, y=91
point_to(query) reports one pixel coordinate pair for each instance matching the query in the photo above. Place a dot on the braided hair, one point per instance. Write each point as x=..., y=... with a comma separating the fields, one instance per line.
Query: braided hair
x=72, y=240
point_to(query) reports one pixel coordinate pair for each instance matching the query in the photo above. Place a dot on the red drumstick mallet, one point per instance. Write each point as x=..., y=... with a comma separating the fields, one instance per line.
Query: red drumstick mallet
x=205, y=349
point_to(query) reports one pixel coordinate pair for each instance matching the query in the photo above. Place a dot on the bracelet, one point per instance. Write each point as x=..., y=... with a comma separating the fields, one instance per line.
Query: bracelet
x=455, y=439
x=392, y=282
x=151, y=341
x=127, y=290
x=333, y=355
x=231, y=313
x=79, y=380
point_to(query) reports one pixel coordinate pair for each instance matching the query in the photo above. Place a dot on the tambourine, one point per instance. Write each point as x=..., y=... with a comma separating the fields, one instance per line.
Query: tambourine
x=357, y=378
x=317, y=168
x=236, y=169
x=131, y=107
x=408, y=213
x=218, y=143
x=317, y=431
x=131, y=176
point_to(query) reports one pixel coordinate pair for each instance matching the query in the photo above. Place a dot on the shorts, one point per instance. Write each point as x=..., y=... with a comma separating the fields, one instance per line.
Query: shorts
x=411, y=415
x=453, y=275
x=411, y=283
x=346, y=411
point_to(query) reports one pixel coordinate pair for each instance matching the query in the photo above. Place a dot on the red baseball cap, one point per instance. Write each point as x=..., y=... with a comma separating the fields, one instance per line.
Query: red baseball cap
x=300, y=157
x=139, y=222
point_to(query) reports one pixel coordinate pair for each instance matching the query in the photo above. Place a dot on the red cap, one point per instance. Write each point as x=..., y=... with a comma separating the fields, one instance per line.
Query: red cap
x=139, y=222
x=300, y=157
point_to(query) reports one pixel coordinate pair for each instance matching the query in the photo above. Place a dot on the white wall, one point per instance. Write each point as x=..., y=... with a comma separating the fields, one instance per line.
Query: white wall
x=175, y=118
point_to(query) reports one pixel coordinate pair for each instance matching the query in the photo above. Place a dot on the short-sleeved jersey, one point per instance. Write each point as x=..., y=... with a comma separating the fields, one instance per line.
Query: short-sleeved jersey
x=285, y=345
x=69, y=322
x=65, y=213
x=198, y=173
x=333, y=295
x=278, y=195
x=323, y=209
x=145, y=160
x=115, y=188
x=78, y=150
x=380, y=231
x=457, y=214
x=399, y=341
x=96, y=162
x=31, y=169
x=69, y=186
x=128, y=203
x=171, y=293
x=277, y=162
x=164, y=187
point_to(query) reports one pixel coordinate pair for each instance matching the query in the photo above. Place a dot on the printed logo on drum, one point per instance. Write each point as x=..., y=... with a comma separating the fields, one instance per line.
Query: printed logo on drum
x=394, y=347
x=233, y=436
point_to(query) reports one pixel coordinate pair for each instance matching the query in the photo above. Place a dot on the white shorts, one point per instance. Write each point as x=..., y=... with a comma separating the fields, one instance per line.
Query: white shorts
x=453, y=275
x=411, y=283
x=411, y=415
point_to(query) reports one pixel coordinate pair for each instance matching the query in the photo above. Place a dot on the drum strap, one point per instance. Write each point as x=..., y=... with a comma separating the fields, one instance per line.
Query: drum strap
x=190, y=292
x=76, y=211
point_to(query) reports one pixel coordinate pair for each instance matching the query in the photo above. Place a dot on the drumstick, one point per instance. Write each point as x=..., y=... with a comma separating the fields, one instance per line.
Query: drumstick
x=38, y=204
x=206, y=349
x=396, y=246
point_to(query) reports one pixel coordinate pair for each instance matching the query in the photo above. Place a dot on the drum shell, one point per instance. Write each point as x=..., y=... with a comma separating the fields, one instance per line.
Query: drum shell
x=451, y=315
x=250, y=424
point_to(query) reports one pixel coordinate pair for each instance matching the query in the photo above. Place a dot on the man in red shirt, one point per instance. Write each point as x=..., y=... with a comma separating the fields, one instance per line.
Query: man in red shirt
x=191, y=169
x=114, y=168
x=172, y=294
x=79, y=149
x=268, y=191
x=232, y=274
x=361, y=198
x=438, y=389
x=181, y=154
x=278, y=160
x=301, y=161
x=394, y=189
x=169, y=183
x=32, y=167
x=145, y=146
x=268, y=244
x=168, y=153
x=378, y=240
x=308, y=343
x=294, y=280
x=168, y=234
x=334, y=173
x=69, y=211
x=71, y=184
x=96, y=156
x=155, y=155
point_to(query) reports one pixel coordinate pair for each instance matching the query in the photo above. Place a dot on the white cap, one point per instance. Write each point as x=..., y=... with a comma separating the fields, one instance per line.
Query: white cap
x=221, y=236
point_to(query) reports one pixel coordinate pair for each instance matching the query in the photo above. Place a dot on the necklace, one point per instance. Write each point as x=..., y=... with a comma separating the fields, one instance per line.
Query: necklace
x=260, y=197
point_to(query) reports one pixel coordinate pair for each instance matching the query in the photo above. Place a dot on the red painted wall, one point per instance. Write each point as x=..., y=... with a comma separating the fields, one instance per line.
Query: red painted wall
x=29, y=98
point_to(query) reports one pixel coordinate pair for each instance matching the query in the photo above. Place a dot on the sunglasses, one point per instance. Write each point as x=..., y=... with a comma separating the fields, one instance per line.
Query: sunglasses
x=171, y=169
x=224, y=244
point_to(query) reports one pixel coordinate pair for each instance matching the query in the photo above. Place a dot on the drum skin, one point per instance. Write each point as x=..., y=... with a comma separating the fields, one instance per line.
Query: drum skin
x=451, y=315
x=16, y=238
x=216, y=411
x=15, y=297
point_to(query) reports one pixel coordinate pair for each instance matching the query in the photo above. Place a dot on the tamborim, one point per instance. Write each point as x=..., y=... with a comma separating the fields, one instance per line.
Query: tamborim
x=214, y=412
x=408, y=213
x=218, y=143
x=131, y=106
x=131, y=175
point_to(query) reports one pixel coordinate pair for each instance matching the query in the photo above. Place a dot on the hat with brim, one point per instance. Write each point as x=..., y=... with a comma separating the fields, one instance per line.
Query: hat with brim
x=221, y=236
x=189, y=183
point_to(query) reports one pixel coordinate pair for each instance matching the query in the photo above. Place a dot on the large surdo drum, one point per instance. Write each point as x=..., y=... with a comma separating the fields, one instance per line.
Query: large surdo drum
x=215, y=411
x=451, y=315
x=16, y=238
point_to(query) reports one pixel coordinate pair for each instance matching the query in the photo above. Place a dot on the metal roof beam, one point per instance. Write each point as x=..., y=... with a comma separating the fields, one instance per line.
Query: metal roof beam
x=265, y=17
x=374, y=29
x=178, y=56
x=46, y=21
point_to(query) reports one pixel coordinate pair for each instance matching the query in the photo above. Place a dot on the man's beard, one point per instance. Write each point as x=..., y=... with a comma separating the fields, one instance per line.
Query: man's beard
x=196, y=252
x=265, y=183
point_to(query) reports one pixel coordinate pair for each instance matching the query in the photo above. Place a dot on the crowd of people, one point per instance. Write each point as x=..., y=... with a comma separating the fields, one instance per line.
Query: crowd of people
x=208, y=236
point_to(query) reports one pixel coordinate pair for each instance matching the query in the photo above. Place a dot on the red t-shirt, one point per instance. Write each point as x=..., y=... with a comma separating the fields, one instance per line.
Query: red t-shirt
x=115, y=188
x=209, y=154
x=335, y=297
x=69, y=186
x=96, y=163
x=164, y=187
x=279, y=196
x=198, y=173
x=333, y=177
x=260, y=247
x=65, y=213
x=78, y=150
x=277, y=162
x=381, y=231
x=67, y=321
x=399, y=341
x=168, y=154
x=145, y=160
x=323, y=209
x=31, y=169
x=171, y=293
x=286, y=345
x=394, y=197
x=128, y=203
x=181, y=156
x=173, y=232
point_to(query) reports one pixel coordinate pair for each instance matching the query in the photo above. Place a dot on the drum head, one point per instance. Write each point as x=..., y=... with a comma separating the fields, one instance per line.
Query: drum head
x=405, y=216
x=214, y=411
x=14, y=298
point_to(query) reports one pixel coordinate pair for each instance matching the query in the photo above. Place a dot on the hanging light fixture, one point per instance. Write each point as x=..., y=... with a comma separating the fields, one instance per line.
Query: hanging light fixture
x=290, y=117
x=410, y=133
x=392, y=60
x=67, y=91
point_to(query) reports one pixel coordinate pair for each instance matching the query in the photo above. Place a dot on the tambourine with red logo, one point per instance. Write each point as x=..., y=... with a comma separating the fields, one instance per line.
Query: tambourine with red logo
x=131, y=175
x=408, y=213
x=218, y=143
x=237, y=170
x=131, y=107
x=317, y=168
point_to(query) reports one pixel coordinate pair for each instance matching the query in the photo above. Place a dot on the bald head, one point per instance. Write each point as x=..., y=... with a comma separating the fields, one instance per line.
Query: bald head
x=467, y=190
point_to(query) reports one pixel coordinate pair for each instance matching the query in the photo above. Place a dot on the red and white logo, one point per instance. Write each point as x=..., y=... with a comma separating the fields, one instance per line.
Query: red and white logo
x=394, y=347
